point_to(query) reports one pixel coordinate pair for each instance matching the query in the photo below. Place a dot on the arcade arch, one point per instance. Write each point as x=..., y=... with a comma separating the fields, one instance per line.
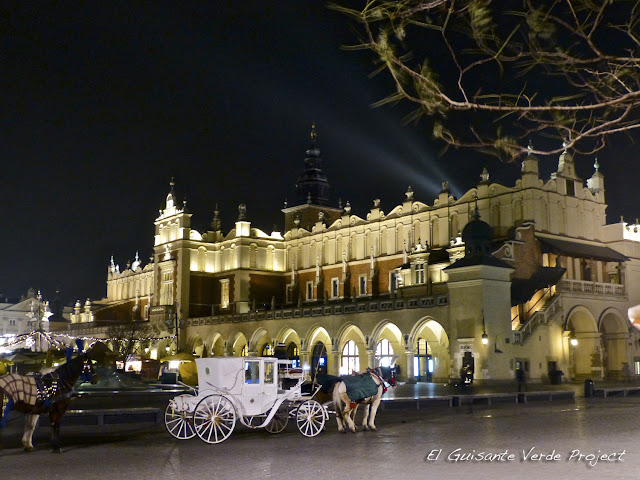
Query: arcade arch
x=583, y=344
x=614, y=334
x=430, y=359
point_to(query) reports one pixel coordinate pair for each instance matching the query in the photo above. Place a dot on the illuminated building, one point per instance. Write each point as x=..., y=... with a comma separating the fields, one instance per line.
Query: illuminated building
x=531, y=269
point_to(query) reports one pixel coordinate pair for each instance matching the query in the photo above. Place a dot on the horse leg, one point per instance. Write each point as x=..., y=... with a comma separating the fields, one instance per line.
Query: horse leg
x=372, y=415
x=30, y=424
x=347, y=412
x=54, y=420
x=367, y=410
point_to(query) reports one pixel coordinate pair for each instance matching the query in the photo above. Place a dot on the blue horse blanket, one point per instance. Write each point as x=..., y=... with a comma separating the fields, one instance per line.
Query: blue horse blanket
x=359, y=387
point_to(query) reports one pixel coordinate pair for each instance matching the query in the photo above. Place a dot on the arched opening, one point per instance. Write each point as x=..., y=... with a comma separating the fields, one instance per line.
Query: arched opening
x=319, y=359
x=431, y=358
x=614, y=333
x=350, y=358
x=584, y=347
x=384, y=354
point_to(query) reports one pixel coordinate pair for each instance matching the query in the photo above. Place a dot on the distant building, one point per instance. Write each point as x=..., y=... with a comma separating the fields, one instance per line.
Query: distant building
x=525, y=276
x=22, y=317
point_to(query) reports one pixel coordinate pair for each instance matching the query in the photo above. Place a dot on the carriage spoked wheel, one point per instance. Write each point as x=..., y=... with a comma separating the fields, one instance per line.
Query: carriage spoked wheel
x=214, y=418
x=179, y=423
x=279, y=421
x=310, y=418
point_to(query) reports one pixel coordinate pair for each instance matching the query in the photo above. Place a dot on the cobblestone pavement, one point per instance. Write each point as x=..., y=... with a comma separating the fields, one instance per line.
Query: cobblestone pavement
x=439, y=443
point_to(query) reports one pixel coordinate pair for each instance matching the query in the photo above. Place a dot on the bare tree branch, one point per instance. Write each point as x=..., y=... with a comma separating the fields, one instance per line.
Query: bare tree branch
x=564, y=69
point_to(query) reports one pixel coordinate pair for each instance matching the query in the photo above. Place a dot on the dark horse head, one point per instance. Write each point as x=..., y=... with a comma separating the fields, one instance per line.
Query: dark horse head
x=78, y=368
x=388, y=374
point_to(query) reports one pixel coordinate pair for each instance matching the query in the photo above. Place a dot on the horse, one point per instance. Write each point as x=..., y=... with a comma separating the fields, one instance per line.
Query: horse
x=45, y=393
x=349, y=391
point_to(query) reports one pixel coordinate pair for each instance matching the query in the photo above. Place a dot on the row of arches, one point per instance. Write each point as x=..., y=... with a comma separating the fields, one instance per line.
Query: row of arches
x=422, y=353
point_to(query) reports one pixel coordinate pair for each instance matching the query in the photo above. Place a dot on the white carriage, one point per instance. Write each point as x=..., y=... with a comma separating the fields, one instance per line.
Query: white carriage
x=259, y=392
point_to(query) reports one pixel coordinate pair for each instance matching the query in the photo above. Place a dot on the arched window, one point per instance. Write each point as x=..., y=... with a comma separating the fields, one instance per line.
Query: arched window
x=384, y=353
x=350, y=361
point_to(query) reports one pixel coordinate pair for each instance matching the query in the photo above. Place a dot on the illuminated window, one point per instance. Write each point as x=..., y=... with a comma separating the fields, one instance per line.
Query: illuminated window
x=350, y=361
x=269, y=373
x=419, y=273
x=252, y=372
x=244, y=352
x=384, y=353
x=224, y=293
x=166, y=295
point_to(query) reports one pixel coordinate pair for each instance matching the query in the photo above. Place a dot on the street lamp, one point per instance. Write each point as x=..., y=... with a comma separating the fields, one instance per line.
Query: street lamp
x=485, y=337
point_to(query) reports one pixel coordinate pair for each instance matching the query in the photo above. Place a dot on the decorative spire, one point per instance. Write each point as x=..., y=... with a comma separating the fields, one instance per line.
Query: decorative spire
x=242, y=212
x=313, y=134
x=596, y=165
x=484, y=176
x=171, y=197
x=215, y=222
x=409, y=193
x=530, y=147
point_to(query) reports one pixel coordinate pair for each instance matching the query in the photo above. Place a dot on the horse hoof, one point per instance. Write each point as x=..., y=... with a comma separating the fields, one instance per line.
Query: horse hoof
x=29, y=449
x=57, y=450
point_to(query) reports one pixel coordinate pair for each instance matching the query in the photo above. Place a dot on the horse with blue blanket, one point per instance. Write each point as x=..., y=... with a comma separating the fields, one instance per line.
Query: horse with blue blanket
x=349, y=391
x=48, y=392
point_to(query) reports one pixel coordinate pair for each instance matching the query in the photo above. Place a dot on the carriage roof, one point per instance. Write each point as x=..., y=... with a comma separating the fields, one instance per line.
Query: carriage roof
x=228, y=373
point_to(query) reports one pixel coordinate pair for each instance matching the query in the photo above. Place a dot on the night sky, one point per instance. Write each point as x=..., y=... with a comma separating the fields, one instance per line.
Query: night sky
x=102, y=103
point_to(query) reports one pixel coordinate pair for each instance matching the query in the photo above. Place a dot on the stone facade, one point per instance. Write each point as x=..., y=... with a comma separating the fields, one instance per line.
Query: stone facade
x=340, y=291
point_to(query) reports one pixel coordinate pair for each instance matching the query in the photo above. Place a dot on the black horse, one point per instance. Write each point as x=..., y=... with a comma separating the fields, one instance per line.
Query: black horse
x=45, y=393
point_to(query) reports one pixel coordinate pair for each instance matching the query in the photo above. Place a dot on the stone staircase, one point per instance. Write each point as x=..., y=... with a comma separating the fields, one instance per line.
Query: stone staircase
x=547, y=314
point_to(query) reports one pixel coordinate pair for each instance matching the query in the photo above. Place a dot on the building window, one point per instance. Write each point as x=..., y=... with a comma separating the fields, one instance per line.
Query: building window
x=224, y=293
x=362, y=282
x=166, y=296
x=309, y=291
x=335, y=288
x=419, y=273
x=251, y=372
x=350, y=361
x=384, y=353
x=571, y=188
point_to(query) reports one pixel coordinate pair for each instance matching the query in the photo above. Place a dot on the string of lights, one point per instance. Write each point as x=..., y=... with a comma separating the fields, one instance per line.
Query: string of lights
x=61, y=341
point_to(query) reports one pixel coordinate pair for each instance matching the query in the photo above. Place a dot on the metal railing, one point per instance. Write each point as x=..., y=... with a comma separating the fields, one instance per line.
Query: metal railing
x=542, y=317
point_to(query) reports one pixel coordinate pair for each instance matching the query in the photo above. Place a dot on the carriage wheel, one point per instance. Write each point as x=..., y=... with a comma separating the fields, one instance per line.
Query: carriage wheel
x=279, y=421
x=214, y=418
x=179, y=423
x=310, y=418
